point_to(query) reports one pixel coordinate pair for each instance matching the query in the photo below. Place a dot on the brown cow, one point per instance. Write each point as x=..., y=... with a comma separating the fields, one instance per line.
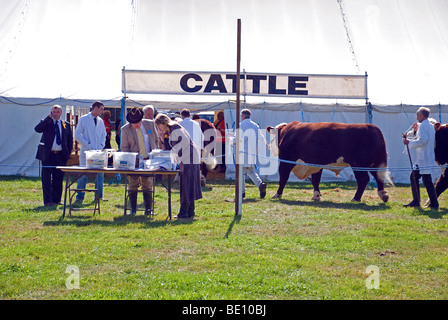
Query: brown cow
x=331, y=144
x=441, y=155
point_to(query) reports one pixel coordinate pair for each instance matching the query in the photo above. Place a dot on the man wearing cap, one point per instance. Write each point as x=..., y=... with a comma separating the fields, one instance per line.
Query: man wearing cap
x=139, y=135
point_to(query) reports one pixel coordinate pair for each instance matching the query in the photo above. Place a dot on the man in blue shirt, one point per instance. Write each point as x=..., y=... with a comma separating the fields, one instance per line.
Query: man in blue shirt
x=250, y=135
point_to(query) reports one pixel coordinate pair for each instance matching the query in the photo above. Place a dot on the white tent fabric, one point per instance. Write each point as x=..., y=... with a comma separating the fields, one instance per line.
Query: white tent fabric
x=77, y=49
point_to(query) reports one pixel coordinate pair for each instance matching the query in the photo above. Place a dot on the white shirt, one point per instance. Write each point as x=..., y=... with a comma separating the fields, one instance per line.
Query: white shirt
x=424, y=147
x=90, y=137
x=194, y=131
x=57, y=147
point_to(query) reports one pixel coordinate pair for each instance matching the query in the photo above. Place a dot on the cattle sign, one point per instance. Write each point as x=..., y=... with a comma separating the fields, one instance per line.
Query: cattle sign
x=252, y=84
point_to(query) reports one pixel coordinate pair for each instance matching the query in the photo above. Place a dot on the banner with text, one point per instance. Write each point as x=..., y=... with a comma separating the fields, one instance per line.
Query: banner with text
x=252, y=84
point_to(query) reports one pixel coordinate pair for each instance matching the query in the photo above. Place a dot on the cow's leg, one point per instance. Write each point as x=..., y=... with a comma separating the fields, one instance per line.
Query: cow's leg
x=362, y=178
x=381, y=192
x=441, y=184
x=315, y=180
x=284, y=170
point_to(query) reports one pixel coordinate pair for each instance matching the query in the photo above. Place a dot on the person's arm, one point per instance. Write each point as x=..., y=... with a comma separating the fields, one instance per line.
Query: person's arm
x=124, y=146
x=422, y=137
x=69, y=138
x=80, y=133
x=40, y=127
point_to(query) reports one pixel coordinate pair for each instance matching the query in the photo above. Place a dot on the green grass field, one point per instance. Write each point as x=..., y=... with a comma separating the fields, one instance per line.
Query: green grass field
x=292, y=248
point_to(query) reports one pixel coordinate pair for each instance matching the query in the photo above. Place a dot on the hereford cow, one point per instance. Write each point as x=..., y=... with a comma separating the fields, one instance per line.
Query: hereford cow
x=331, y=144
x=210, y=163
x=441, y=154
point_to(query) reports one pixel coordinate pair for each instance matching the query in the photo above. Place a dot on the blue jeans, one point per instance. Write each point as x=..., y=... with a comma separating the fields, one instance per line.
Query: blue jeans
x=82, y=182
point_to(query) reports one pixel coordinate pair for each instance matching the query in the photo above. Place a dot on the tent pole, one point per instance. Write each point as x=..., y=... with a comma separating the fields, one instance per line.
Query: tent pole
x=123, y=100
x=238, y=171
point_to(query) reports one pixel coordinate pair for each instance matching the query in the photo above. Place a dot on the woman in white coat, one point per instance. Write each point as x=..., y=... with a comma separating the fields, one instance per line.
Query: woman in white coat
x=425, y=158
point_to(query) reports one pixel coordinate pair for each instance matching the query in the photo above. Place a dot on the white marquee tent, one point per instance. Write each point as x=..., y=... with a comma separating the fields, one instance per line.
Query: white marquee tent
x=72, y=52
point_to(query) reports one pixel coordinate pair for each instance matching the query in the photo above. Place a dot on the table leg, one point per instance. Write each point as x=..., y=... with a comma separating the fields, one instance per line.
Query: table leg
x=169, y=196
x=67, y=181
x=125, y=192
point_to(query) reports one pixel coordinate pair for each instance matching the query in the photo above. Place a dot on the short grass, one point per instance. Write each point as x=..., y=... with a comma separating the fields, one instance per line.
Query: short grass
x=292, y=248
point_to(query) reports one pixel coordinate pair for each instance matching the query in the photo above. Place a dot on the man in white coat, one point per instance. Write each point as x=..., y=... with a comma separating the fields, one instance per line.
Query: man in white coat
x=425, y=158
x=91, y=135
x=250, y=142
x=193, y=128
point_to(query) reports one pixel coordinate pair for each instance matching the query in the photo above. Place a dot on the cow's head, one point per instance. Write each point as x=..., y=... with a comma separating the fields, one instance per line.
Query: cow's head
x=275, y=133
x=441, y=144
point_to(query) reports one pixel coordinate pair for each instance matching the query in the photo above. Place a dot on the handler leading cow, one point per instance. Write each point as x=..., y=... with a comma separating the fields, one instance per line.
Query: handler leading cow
x=334, y=145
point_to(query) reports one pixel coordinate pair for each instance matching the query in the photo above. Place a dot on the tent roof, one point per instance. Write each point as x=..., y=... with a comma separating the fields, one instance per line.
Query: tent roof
x=77, y=49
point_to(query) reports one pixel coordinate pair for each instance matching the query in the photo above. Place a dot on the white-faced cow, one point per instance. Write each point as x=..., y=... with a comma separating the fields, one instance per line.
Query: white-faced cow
x=210, y=163
x=330, y=144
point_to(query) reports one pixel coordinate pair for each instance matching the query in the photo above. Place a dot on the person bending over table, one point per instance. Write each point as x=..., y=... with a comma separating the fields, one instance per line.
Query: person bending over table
x=188, y=155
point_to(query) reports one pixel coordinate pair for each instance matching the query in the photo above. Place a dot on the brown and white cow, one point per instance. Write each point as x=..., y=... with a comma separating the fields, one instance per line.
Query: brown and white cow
x=441, y=155
x=210, y=163
x=331, y=144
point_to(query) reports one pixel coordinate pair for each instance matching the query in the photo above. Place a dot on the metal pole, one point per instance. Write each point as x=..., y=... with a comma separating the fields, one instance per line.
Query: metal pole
x=238, y=171
x=415, y=184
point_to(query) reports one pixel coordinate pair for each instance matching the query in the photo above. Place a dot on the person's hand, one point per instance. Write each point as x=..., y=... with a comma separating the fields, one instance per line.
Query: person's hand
x=415, y=126
x=405, y=141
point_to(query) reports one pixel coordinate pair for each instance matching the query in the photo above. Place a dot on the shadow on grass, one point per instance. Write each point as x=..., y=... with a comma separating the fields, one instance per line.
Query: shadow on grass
x=337, y=205
x=87, y=220
x=236, y=219
x=431, y=213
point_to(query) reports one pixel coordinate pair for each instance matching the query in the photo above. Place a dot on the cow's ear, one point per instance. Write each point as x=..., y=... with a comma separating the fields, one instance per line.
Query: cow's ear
x=437, y=125
x=269, y=128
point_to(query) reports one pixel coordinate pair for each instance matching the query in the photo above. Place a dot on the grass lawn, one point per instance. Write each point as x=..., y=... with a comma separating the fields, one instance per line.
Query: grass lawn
x=291, y=248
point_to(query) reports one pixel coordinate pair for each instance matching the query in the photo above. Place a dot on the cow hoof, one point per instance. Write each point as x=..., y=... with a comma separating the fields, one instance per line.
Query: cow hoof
x=276, y=196
x=383, y=195
x=356, y=200
x=316, y=196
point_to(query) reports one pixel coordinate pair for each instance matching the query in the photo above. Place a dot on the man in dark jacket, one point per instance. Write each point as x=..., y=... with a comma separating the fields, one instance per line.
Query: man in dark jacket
x=54, y=150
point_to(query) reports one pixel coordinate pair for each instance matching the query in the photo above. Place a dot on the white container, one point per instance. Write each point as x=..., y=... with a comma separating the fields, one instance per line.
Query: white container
x=125, y=160
x=96, y=159
x=161, y=159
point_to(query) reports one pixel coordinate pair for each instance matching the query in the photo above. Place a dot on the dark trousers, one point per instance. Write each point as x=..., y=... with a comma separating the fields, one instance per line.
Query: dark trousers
x=427, y=182
x=52, y=178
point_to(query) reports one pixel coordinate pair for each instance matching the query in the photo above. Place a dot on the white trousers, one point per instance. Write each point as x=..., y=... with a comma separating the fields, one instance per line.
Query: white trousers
x=252, y=174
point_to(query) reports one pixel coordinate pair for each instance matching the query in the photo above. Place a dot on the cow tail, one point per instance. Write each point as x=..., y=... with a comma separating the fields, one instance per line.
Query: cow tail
x=209, y=159
x=384, y=175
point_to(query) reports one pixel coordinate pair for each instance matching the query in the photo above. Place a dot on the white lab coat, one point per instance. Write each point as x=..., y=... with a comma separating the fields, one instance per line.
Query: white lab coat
x=249, y=141
x=90, y=137
x=194, y=131
x=423, y=143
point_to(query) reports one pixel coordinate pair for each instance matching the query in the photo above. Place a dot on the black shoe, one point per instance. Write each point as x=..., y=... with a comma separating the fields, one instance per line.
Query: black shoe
x=412, y=204
x=77, y=203
x=262, y=190
x=183, y=211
